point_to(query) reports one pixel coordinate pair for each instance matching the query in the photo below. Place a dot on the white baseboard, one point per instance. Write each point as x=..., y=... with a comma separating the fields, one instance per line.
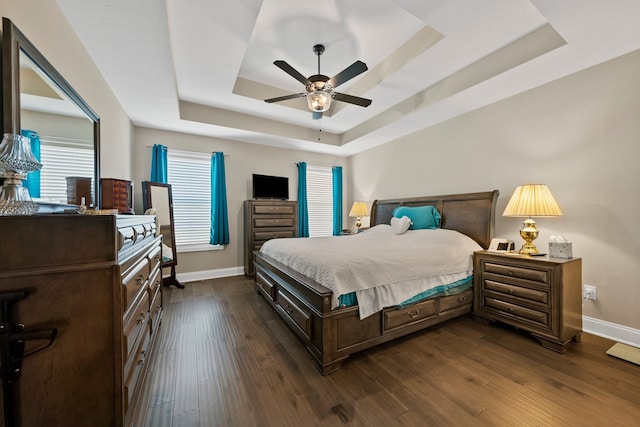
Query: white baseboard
x=590, y=325
x=195, y=276
x=612, y=331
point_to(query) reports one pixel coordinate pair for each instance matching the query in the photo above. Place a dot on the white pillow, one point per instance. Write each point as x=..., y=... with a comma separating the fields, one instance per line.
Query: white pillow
x=400, y=225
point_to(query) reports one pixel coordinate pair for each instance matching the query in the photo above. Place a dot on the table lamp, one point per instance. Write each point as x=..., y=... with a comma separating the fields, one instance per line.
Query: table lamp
x=16, y=161
x=358, y=210
x=528, y=201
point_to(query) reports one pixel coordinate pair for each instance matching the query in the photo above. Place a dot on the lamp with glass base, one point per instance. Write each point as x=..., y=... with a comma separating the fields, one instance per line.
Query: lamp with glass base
x=16, y=161
x=528, y=201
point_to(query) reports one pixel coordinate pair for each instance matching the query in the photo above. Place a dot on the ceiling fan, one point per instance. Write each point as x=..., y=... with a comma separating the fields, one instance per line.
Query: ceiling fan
x=319, y=88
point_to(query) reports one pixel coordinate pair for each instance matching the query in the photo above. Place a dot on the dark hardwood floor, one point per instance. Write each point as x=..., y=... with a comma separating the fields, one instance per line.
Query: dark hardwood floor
x=224, y=358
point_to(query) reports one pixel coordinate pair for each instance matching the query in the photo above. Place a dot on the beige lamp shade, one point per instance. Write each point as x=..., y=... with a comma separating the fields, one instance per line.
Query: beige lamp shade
x=527, y=201
x=359, y=209
x=532, y=200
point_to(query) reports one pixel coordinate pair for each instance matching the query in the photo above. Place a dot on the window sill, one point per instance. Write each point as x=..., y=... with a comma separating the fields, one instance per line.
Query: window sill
x=199, y=248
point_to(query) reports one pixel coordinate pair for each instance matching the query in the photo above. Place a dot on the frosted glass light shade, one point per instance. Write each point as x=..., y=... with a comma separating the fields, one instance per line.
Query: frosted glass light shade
x=319, y=101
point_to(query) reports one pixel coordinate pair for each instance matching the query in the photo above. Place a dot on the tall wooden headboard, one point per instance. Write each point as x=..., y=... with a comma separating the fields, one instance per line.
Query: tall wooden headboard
x=472, y=214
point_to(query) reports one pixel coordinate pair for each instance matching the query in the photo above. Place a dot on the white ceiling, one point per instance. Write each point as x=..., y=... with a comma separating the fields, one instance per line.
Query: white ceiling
x=205, y=66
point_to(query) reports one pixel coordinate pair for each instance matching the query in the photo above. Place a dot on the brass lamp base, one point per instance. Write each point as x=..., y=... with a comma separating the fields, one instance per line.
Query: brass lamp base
x=529, y=233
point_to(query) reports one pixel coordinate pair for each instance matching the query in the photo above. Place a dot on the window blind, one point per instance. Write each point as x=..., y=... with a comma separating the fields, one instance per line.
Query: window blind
x=189, y=174
x=60, y=158
x=320, y=200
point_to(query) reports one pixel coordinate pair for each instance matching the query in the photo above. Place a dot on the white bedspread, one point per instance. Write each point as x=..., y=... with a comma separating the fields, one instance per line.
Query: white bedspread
x=382, y=268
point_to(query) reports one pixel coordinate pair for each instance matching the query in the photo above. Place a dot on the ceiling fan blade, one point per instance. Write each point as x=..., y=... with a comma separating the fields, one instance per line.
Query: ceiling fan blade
x=348, y=73
x=356, y=100
x=284, y=66
x=316, y=115
x=285, y=97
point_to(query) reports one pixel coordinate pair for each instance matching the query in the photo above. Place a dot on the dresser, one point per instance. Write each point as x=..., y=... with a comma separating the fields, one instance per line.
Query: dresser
x=265, y=220
x=541, y=295
x=95, y=280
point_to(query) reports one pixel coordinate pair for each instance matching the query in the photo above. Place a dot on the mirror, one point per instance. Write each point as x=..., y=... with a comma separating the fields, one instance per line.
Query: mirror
x=156, y=197
x=37, y=98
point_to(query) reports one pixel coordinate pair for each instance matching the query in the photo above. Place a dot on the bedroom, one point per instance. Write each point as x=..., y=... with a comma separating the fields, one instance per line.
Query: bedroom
x=578, y=134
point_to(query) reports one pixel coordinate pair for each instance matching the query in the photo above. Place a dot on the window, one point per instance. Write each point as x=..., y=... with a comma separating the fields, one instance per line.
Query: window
x=189, y=174
x=320, y=200
x=60, y=158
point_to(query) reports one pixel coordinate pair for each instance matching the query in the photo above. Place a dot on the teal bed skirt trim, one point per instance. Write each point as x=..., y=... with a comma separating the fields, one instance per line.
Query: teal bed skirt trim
x=454, y=288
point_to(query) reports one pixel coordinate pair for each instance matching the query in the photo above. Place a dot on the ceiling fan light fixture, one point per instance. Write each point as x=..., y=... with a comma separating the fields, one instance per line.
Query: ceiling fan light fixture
x=319, y=100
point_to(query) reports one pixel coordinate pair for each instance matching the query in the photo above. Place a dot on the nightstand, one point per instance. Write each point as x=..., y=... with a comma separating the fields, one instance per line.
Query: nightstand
x=541, y=295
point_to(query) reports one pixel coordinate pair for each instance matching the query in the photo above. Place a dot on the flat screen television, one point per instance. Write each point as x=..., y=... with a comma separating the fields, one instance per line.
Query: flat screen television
x=270, y=187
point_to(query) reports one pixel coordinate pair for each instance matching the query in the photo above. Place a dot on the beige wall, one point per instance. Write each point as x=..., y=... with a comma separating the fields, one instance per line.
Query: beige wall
x=243, y=160
x=47, y=28
x=579, y=135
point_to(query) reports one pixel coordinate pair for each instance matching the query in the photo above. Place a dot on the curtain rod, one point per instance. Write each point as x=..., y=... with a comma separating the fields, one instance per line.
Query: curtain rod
x=199, y=152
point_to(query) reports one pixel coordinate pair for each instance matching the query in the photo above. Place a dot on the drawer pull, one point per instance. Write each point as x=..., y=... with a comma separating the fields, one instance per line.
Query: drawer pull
x=413, y=313
x=510, y=272
x=140, y=318
x=139, y=279
x=511, y=290
x=141, y=358
x=289, y=310
x=462, y=299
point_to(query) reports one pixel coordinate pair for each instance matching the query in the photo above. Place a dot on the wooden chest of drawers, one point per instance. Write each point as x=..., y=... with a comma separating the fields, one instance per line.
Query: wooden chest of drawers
x=538, y=294
x=265, y=220
x=116, y=194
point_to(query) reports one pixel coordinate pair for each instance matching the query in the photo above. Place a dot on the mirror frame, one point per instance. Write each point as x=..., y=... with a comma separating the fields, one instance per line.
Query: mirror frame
x=14, y=42
x=148, y=203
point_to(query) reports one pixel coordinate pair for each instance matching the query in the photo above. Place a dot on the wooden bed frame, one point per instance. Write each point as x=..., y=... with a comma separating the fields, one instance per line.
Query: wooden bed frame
x=332, y=335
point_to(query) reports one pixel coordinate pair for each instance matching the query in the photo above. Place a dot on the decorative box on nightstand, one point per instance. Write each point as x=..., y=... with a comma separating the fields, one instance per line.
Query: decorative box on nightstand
x=541, y=295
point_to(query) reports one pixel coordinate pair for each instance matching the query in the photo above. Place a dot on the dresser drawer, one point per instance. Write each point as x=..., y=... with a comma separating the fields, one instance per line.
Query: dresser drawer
x=273, y=209
x=272, y=222
x=155, y=312
x=295, y=313
x=412, y=314
x=273, y=234
x=135, y=367
x=517, y=311
x=266, y=286
x=541, y=276
x=154, y=257
x=135, y=323
x=516, y=291
x=134, y=282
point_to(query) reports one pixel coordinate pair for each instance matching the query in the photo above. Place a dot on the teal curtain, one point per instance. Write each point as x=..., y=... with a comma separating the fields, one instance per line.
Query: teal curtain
x=32, y=182
x=219, y=219
x=303, y=207
x=159, y=168
x=337, y=199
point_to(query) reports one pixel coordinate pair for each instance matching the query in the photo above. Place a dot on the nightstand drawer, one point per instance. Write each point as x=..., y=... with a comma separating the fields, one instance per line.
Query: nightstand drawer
x=517, y=311
x=541, y=276
x=516, y=291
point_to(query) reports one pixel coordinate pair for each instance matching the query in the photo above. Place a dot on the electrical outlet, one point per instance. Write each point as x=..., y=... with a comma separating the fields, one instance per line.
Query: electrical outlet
x=589, y=292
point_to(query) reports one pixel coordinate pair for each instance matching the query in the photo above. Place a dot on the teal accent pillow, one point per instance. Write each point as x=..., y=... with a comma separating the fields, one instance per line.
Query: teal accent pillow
x=421, y=216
